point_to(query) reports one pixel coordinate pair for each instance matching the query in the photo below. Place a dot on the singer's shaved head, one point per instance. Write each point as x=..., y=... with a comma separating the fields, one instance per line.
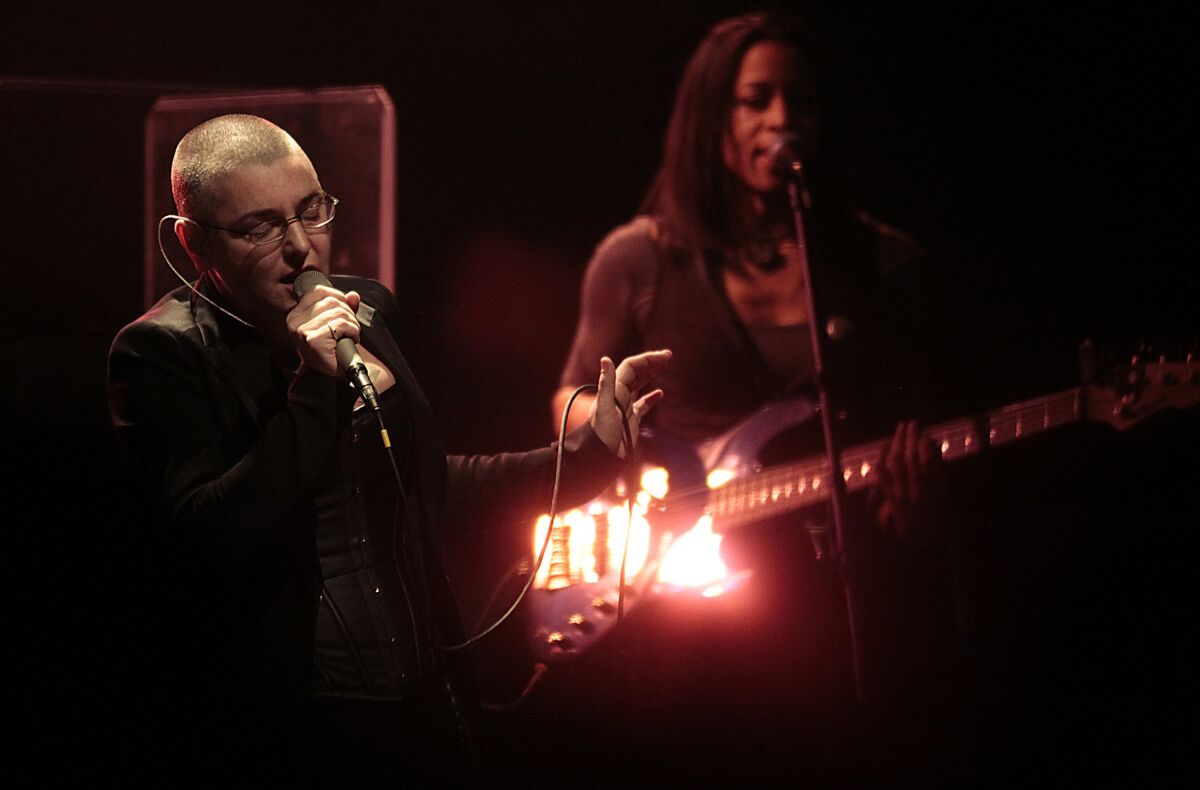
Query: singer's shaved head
x=230, y=175
x=216, y=147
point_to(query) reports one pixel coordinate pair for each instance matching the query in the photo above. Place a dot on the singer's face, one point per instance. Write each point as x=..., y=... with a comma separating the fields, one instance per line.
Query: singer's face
x=774, y=93
x=257, y=279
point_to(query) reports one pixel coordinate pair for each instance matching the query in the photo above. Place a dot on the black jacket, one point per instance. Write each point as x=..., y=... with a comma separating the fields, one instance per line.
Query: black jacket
x=228, y=449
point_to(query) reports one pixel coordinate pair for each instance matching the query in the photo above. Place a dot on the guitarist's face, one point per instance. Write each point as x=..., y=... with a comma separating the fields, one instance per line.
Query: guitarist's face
x=774, y=93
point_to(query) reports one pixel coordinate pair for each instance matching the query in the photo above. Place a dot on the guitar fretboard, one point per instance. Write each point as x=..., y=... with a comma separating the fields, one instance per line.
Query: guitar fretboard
x=783, y=488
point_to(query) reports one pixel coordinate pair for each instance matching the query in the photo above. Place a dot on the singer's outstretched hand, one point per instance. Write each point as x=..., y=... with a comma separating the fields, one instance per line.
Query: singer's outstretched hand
x=617, y=389
x=323, y=315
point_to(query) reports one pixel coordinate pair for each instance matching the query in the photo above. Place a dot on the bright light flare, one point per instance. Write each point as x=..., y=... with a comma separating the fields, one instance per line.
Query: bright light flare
x=639, y=537
x=719, y=477
x=573, y=562
x=573, y=556
x=694, y=560
x=656, y=482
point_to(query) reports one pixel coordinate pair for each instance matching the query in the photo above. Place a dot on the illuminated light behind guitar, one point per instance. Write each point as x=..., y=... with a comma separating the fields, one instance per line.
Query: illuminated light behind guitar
x=578, y=582
x=693, y=561
x=572, y=549
x=586, y=545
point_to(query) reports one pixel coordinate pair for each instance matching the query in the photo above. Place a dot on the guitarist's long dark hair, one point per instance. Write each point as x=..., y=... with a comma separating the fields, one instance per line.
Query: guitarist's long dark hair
x=694, y=197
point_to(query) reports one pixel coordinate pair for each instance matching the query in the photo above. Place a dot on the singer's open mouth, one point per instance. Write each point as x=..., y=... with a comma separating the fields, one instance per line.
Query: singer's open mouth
x=290, y=277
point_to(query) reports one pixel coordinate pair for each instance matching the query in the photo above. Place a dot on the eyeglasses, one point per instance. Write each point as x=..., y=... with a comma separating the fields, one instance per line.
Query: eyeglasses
x=316, y=215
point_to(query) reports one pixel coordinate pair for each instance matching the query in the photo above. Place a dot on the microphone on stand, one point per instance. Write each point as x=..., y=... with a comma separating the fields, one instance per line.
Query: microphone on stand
x=347, y=353
x=784, y=155
x=785, y=161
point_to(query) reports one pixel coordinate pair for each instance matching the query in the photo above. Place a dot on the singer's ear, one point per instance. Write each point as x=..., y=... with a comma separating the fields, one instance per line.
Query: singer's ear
x=191, y=236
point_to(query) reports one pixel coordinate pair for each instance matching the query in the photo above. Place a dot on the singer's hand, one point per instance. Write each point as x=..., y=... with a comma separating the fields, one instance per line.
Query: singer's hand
x=310, y=322
x=618, y=387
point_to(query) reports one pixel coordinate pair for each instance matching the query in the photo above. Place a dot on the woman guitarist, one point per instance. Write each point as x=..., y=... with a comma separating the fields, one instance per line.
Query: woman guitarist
x=711, y=268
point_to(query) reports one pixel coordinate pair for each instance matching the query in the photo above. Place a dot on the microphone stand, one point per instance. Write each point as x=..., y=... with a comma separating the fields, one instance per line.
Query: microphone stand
x=798, y=197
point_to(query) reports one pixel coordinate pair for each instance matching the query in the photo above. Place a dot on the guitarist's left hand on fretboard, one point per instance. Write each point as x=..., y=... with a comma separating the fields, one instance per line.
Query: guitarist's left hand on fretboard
x=910, y=497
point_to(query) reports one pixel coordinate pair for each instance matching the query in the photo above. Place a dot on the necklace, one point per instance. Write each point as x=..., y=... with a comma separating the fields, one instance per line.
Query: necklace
x=766, y=254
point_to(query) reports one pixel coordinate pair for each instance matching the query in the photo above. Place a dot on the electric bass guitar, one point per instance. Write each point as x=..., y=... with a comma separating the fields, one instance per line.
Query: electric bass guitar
x=575, y=597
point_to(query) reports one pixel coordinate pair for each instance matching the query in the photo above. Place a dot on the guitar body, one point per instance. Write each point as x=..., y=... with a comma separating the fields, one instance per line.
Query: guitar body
x=569, y=619
x=738, y=451
x=736, y=479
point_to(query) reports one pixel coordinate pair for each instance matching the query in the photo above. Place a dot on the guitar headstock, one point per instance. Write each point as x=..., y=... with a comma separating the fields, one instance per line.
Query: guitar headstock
x=1131, y=392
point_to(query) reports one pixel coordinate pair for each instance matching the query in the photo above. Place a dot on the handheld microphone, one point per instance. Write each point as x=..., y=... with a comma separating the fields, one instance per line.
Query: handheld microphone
x=347, y=353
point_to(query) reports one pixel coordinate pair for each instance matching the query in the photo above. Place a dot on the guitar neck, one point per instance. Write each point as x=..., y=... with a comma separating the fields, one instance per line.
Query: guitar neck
x=795, y=485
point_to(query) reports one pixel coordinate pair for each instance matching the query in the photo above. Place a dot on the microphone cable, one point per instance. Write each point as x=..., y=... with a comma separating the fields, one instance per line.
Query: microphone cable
x=190, y=284
x=562, y=433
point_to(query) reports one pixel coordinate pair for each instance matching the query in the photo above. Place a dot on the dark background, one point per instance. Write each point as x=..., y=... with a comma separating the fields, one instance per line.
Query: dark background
x=1039, y=151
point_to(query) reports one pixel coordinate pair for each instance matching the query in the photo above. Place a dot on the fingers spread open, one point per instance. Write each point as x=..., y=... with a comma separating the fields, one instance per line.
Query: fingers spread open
x=637, y=371
x=605, y=389
x=617, y=407
x=642, y=407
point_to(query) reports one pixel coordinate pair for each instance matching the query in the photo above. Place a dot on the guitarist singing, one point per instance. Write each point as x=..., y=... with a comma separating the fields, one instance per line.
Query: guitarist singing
x=710, y=268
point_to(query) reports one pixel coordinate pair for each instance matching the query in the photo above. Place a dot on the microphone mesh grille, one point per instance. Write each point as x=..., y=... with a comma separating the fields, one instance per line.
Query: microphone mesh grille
x=306, y=280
